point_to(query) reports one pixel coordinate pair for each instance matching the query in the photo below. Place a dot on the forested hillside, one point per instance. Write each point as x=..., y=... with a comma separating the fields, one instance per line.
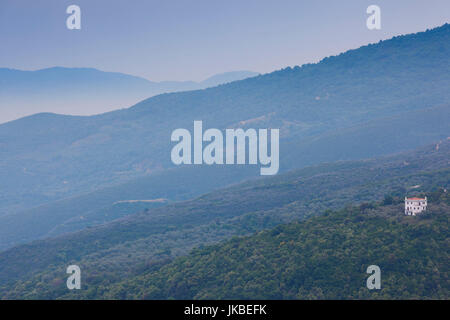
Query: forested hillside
x=381, y=98
x=144, y=242
x=323, y=258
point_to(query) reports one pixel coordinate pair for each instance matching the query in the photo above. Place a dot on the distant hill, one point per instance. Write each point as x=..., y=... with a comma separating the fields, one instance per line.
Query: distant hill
x=141, y=243
x=386, y=97
x=227, y=77
x=86, y=91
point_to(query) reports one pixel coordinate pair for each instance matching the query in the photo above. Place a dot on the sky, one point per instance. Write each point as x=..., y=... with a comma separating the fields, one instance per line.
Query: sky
x=192, y=40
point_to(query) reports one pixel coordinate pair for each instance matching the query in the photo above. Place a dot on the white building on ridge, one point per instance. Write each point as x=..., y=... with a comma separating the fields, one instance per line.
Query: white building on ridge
x=415, y=205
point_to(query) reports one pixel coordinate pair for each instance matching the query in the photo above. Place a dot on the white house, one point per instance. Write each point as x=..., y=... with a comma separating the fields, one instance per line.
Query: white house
x=415, y=205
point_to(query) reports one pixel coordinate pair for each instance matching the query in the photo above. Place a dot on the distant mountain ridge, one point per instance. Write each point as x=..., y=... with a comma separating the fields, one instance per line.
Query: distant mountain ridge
x=86, y=91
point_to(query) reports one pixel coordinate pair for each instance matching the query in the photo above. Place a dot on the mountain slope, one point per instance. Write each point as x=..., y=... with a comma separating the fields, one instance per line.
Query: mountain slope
x=133, y=245
x=75, y=213
x=392, y=95
x=89, y=209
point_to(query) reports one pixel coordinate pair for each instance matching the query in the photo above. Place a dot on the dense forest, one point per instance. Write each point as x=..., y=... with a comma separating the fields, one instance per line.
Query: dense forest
x=323, y=257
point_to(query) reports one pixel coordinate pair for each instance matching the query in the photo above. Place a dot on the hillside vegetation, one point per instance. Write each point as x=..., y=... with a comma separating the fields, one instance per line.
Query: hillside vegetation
x=322, y=258
x=144, y=242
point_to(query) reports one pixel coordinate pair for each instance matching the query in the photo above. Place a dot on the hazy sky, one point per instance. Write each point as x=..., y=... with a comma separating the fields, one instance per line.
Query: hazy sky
x=193, y=39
